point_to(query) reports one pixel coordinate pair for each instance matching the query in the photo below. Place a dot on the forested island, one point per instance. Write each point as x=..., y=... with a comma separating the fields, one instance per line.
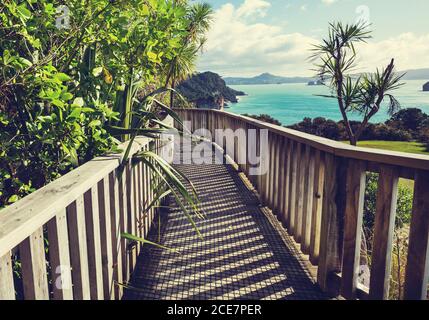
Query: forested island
x=208, y=90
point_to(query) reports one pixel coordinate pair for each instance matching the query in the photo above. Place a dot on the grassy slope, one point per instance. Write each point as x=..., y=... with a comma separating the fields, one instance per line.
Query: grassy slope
x=409, y=147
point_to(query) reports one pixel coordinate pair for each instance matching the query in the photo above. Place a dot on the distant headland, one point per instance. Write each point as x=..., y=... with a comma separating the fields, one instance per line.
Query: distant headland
x=208, y=90
x=268, y=78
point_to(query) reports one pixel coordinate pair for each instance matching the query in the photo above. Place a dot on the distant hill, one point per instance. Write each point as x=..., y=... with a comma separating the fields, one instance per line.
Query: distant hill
x=266, y=78
x=419, y=74
x=208, y=90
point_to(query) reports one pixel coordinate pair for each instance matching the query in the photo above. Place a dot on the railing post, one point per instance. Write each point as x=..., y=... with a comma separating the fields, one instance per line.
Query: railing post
x=417, y=274
x=319, y=178
x=59, y=255
x=292, y=187
x=92, y=221
x=7, y=288
x=383, y=232
x=115, y=233
x=307, y=220
x=106, y=237
x=355, y=192
x=331, y=236
x=78, y=249
x=32, y=254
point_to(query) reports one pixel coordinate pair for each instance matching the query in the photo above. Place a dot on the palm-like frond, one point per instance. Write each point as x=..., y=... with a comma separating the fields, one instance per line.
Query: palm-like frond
x=148, y=123
x=200, y=17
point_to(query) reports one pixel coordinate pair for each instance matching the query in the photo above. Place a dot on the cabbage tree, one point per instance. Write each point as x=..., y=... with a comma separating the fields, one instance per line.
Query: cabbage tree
x=362, y=94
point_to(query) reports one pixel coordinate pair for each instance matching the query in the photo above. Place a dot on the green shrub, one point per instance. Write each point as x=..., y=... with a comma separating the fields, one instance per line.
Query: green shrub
x=402, y=221
x=404, y=204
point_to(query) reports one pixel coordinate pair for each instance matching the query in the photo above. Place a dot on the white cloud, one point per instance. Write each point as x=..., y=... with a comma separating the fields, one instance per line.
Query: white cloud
x=239, y=45
x=329, y=2
x=409, y=50
x=253, y=8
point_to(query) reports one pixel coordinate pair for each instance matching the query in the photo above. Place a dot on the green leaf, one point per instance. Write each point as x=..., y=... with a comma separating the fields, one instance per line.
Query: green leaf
x=6, y=57
x=97, y=71
x=58, y=103
x=134, y=238
x=25, y=62
x=24, y=12
x=62, y=77
x=94, y=123
x=75, y=113
x=78, y=102
x=13, y=199
x=66, y=96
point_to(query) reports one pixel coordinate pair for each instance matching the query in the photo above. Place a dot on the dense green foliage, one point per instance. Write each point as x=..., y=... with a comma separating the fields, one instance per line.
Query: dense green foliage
x=205, y=90
x=264, y=117
x=405, y=125
x=403, y=210
x=71, y=79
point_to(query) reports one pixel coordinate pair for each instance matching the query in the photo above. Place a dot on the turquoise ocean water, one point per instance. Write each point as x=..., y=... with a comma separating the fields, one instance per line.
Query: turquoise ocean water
x=290, y=103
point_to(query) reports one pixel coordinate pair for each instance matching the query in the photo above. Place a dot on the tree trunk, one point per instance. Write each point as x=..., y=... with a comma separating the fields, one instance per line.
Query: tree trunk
x=353, y=140
x=173, y=84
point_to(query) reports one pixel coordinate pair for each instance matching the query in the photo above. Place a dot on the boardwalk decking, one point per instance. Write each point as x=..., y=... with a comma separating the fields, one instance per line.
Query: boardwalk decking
x=244, y=253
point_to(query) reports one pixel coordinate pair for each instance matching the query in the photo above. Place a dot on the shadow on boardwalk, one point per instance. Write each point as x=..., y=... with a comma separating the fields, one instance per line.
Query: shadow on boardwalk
x=242, y=255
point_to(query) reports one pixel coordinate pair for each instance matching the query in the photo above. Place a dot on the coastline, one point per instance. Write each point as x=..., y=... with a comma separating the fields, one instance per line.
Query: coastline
x=291, y=103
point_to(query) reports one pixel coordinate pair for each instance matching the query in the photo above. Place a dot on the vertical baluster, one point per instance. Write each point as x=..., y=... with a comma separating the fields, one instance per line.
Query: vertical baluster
x=282, y=179
x=319, y=177
x=331, y=224
x=148, y=188
x=308, y=200
x=115, y=213
x=78, y=249
x=417, y=273
x=146, y=199
x=355, y=190
x=34, y=275
x=268, y=180
x=131, y=228
x=266, y=176
x=244, y=151
x=139, y=211
x=259, y=178
x=92, y=220
x=293, y=187
x=299, y=193
x=276, y=174
x=59, y=257
x=7, y=288
x=383, y=232
x=288, y=180
x=123, y=210
x=106, y=237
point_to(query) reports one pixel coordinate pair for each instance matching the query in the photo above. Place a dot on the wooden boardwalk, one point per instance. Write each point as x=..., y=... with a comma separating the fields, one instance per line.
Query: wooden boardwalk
x=245, y=253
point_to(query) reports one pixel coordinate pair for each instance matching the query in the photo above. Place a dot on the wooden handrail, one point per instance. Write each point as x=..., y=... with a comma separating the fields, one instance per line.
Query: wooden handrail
x=415, y=161
x=82, y=215
x=19, y=220
x=316, y=188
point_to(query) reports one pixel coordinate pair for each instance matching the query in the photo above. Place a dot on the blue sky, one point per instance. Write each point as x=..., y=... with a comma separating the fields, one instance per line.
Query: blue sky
x=253, y=36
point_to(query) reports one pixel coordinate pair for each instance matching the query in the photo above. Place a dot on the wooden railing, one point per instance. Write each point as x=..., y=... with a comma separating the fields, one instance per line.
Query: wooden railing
x=66, y=236
x=316, y=188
